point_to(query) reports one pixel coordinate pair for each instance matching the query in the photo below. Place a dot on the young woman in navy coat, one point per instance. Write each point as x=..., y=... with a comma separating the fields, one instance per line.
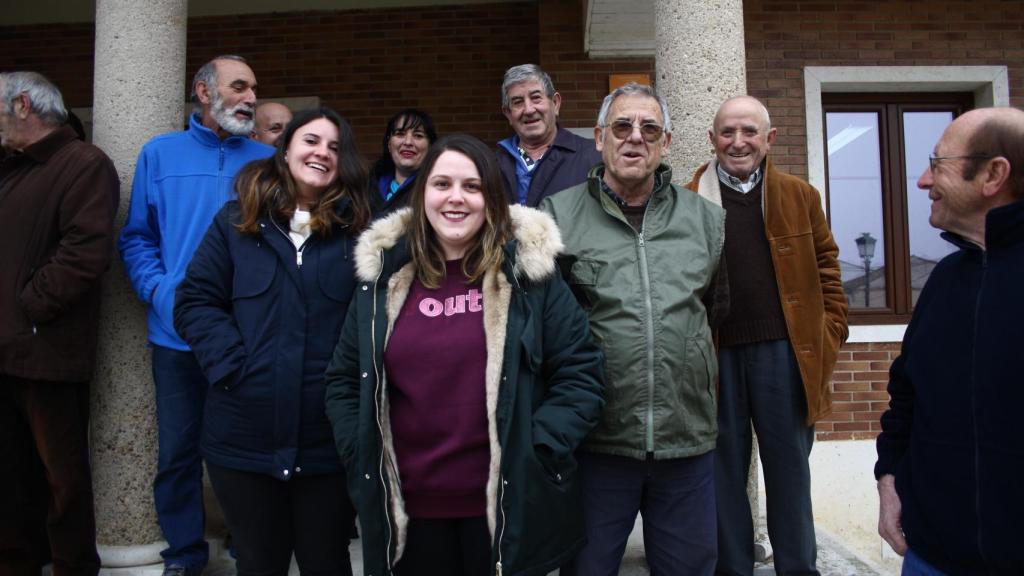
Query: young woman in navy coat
x=262, y=305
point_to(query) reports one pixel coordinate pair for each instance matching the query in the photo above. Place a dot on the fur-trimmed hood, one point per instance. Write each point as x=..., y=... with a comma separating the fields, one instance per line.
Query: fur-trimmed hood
x=538, y=241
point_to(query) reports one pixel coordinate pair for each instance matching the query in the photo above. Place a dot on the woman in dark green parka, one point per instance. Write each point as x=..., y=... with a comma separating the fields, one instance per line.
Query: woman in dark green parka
x=532, y=366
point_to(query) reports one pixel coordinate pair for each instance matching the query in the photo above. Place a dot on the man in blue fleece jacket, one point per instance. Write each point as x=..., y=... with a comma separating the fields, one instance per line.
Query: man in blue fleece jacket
x=951, y=455
x=181, y=180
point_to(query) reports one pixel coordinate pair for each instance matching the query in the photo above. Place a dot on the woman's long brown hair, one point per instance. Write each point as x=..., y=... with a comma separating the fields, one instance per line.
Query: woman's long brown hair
x=266, y=187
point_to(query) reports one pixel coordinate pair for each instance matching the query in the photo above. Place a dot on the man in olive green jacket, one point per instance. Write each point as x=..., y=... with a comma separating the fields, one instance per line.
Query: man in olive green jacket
x=640, y=256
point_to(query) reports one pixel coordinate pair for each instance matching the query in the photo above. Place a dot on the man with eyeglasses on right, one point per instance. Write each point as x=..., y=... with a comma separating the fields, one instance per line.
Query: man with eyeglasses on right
x=951, y=453
x=641, y=256
x=778, y=346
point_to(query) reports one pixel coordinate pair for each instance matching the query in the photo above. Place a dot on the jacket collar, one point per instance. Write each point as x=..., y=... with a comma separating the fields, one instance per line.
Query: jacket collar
x=44, y=149
x=536, y=242
x=342, y=206
x=709, y=185
x=662, y=180
x=1004, y=227
x=208, y=137
x=565, y=139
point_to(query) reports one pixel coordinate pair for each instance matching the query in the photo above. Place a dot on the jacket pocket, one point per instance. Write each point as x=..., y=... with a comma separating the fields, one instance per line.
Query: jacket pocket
x=252, y=299
x=583, y=278
x=558, y=472
x=335, y=272
x=253, y=276
x=696, y=395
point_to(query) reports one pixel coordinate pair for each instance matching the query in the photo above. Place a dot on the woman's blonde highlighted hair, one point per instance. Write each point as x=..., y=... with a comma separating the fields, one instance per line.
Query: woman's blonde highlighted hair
x=485, y=250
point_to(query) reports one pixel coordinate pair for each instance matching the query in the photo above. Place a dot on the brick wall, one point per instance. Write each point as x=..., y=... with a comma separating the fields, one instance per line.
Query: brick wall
x=859, y=391
x=783, y=36
x=63, y=52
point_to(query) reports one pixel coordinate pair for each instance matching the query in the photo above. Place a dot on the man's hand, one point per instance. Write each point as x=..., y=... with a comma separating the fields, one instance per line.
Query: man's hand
x=889, y=509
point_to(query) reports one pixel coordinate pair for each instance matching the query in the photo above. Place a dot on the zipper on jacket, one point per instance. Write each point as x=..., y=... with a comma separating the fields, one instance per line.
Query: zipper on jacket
x=501, y=529
x=501, y=477
x=220, y=159
x=298, y=251
x=974, y=399
x=376, y=403
x=645, y=279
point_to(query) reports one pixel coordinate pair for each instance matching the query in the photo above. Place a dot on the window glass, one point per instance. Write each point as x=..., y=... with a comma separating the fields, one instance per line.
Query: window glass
x=855, y=203
x=921, y=130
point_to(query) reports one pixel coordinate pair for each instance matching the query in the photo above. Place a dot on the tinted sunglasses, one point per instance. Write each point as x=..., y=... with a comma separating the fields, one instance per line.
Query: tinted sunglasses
x=623, y=129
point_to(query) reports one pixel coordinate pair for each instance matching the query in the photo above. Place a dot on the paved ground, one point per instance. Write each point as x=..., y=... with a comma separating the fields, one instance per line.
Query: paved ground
x=834, y=559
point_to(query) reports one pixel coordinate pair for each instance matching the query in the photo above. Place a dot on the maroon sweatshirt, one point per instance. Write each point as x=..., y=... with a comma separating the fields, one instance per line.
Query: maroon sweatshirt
x=435, y=361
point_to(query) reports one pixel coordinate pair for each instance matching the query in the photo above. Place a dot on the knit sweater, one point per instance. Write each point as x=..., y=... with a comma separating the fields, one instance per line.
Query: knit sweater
x=755, y=312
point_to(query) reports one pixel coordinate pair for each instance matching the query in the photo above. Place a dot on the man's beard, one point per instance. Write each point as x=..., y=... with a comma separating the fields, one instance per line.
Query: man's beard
x=227, y=120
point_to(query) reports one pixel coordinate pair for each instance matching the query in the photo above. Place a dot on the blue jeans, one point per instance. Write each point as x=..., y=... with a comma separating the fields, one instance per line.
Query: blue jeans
x=178, y=486
x=676, y=499
x=914, y=565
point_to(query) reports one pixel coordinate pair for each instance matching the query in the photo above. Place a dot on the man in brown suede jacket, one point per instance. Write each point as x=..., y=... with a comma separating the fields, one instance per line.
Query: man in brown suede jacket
x=778, y=345
x=58, y=198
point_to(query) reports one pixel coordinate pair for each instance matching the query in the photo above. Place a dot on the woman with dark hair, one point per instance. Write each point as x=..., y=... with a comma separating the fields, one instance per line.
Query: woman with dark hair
x=463, y=381
x=408, y=135
x=262, y=305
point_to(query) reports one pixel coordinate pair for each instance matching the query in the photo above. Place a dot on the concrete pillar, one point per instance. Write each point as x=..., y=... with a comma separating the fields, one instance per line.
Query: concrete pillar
x=700, y=60
x=137, y=93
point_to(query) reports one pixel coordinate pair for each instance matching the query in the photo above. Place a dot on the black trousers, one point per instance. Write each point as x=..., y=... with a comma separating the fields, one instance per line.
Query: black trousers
x=449, y=546
x=269, y=519
x=760, y=383
x=48, y=423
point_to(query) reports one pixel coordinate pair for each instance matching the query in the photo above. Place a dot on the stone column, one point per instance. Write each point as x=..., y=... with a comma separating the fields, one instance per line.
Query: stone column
x=137, y=93
x=700, y=60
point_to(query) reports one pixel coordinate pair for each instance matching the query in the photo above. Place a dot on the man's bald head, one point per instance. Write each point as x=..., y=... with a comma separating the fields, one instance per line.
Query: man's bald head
x=271, y=119
x=741, y=134
x=748, y=104
x=995, y=133
x=976, y=166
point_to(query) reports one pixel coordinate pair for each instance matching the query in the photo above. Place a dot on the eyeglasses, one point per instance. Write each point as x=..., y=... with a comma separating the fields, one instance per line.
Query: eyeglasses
x=623, y=129
x=934, y=160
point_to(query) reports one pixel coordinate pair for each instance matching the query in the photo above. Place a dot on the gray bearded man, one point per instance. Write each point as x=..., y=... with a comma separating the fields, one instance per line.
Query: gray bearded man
x=181, y=180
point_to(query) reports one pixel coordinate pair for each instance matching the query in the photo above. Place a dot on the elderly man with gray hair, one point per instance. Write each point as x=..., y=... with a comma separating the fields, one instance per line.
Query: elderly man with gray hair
x=58, y=198
x=541, y=158
x=641, y=256
x=181, y=180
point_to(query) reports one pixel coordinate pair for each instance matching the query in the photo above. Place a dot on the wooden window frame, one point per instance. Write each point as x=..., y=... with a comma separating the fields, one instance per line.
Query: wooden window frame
x=890, y=108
